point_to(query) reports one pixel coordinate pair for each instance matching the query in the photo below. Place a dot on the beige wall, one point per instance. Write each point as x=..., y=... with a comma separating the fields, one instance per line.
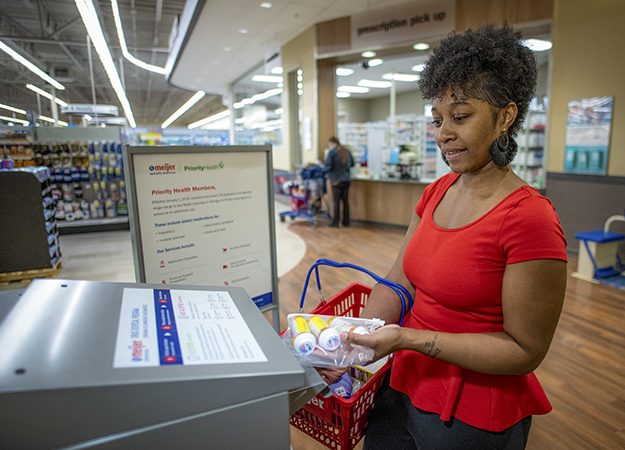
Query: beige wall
x=300, y=53
x=587, y=61
x=375, y=109
x=409, y=102
x=356, y=110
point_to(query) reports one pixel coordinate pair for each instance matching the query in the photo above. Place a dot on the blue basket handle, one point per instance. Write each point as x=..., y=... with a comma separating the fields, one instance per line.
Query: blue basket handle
x=401, y=291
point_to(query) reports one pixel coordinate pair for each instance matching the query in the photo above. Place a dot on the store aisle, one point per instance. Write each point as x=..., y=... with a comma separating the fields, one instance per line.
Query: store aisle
x=107, y=256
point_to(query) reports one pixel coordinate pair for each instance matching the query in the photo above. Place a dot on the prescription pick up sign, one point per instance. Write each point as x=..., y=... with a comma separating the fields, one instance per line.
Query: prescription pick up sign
x=203, y=216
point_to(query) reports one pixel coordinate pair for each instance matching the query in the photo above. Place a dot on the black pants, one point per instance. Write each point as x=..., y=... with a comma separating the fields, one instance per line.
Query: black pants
x=339, y=194
x=396, y=424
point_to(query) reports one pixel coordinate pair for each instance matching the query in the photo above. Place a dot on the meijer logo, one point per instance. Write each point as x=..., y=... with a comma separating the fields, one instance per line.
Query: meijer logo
x=159, y=169
x=317, y=402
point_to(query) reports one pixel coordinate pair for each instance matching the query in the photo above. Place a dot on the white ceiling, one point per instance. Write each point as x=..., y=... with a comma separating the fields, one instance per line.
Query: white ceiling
x=51, y=33
x=204, y=64
x=390, y=65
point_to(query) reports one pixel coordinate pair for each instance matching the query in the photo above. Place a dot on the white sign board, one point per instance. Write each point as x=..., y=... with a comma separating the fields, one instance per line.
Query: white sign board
x=88, y=108
x=182, y=327
x=402, y=23
x=204, y=216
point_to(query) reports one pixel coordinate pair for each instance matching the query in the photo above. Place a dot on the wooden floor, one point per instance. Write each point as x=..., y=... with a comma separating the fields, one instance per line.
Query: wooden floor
x=583, y=374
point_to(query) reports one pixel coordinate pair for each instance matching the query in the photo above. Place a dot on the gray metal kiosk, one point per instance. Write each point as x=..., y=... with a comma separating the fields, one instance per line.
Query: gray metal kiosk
x=59, y=387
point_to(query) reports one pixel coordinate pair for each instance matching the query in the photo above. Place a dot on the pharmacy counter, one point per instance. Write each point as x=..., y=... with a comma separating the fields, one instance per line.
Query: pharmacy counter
x=384, y=201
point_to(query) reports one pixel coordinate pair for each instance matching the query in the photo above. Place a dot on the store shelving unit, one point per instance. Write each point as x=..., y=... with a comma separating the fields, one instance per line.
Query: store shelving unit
x=354, y=136
x=529, y=162
x=87, y=177
x=430, y=154
x=86, y=172
x=87, y=182
x=415, y=132
x=407, y=134
x=27, y=225
x=16, y=143
x=407, y=130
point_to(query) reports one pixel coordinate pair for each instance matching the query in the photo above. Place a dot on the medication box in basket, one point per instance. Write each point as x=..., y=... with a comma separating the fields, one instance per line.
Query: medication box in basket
x=336, y=422
x=365, y=373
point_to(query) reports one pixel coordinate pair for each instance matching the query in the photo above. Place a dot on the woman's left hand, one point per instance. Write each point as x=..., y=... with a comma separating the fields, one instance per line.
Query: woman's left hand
x=383, y=341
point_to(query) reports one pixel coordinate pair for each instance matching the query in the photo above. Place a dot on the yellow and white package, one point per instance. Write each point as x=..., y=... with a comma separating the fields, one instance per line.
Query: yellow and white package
x=365, y=372
x=316, y=339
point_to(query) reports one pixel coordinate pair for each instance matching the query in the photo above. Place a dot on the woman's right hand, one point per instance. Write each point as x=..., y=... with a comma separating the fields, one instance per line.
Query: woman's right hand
x=331, y=376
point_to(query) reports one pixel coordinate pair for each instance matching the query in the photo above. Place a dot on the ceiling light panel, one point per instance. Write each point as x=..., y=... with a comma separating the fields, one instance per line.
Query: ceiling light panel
x=375, y=84
x=354, y=89
x=183, y=109
x=418, y=68
x=92, y=24
x=30, y=66
x=368, y=54
x=122, y=43
x=267, y=78
x=56, y=122
x=421, y=46
x=343, y=94
x=375, y=62
x=258, y=97
x=400, y=77
x=11, y=108
x=45, y=94
x=209, y=119
x=344, y=72
x=537, y=45
x=14, y=120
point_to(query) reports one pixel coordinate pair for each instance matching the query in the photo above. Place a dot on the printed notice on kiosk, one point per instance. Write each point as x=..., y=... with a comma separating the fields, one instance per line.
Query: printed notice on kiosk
x=204, y=220
x=165, y=327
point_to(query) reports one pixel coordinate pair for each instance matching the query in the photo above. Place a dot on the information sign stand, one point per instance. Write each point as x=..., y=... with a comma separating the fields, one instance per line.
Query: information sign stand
x=204, y=216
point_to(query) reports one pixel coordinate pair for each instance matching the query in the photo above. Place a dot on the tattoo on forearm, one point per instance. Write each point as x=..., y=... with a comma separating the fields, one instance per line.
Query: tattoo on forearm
x=430, y=347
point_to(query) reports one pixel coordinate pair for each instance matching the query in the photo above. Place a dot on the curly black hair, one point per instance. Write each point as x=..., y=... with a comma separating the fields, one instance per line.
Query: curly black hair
x=489, y=64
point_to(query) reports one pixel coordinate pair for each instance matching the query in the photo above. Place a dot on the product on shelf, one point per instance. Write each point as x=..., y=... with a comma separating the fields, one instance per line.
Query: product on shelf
x=16, y=147
x=87, y=179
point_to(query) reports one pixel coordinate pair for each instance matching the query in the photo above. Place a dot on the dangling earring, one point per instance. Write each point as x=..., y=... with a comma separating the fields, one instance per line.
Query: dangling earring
x=503, y=149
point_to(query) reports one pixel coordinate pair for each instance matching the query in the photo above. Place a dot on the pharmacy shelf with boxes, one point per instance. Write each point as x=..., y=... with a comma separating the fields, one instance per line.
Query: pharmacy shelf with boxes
x=400, y=148
x=529, y=162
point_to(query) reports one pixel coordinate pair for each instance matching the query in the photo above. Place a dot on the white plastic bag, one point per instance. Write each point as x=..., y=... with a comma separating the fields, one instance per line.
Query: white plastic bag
x=318, y=340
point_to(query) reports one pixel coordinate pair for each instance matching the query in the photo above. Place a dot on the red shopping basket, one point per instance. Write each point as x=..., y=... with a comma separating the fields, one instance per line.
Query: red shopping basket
x=336, y=422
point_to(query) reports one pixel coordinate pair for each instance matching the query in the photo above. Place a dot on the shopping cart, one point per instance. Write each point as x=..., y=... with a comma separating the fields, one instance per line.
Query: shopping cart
x=307, y=195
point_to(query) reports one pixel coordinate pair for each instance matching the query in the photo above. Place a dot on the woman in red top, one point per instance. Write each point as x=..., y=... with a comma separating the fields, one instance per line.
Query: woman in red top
x=485, y=257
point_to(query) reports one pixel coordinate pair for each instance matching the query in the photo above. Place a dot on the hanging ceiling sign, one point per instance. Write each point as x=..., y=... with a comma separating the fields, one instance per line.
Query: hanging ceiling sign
x=117, y=121
x=402, y=23
x=80, y=109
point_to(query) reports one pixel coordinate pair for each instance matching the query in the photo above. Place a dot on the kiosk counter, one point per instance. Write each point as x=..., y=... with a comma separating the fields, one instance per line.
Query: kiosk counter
x=89, y=364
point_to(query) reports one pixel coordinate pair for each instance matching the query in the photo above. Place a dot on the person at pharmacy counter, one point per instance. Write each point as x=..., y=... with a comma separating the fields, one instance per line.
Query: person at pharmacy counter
x=337, y=166
x=485, y=257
